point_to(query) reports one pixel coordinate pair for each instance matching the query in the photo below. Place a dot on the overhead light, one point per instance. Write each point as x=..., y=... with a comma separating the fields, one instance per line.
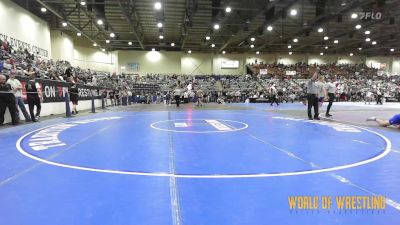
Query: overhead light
x=153, y=49
x=374, y=43
x=112, y=35
x=79, y=34
x=43, y=9
x=368, y=39
x=252, y=39
x=257, y=52
x=326, y=38
x=358, y=26
x=158, y=5
x=269, y=28
x=189, y=51
x=83, y=3
x=130, y=43
x=107, y=41
x=100, y=22
x=295, y=40
x=354, y=15
x=336, y=41
x=326, y=47
x=103, y=49
x=172, y=44
x=320, y=30
x=392, y=49
x=343, y=4
x=289, y=46
x=208, y=38
x=64, y=24
x=228, y=9
x=251, y=46
x=212, y=45
x=293, y=12
x=290, y=53
x=223, y=52
x=216, y=26
x=161, y=37
x=367, y=32
x=321, y=53
x=359, y=49
x=159, y=25
x=94, y=44
x=351, y=54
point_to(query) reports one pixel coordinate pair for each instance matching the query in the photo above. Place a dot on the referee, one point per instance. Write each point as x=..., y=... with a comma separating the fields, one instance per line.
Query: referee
x=331, y=89
x=312, y=96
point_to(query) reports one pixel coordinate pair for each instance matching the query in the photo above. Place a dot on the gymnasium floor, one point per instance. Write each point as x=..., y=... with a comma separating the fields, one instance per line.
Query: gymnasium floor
x=233, y=164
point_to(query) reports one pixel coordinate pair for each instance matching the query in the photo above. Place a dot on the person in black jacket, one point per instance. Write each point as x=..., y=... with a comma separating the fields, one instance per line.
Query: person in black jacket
x=73, y=95
x=7, y=100
x=34, y=97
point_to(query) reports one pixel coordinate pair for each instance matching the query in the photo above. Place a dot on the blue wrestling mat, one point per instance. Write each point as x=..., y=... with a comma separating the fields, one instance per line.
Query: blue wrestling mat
x=211, y=167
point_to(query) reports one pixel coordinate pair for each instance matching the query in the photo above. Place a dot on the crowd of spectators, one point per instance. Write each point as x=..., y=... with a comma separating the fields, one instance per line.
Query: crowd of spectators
x=353, y=81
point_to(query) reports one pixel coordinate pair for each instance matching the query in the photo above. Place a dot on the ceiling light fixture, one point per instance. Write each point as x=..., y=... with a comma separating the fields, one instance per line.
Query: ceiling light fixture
x=293, y=12
x=157, y=5
x=228, y=9
x=269, y=28
x=216, y=26
x=43, y=9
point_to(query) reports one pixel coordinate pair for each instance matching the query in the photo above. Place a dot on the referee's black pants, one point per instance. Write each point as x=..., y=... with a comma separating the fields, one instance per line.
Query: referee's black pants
x=312, y=102
x=274, y=99
x=32, y=102
x=177, y=100
x=331, y=99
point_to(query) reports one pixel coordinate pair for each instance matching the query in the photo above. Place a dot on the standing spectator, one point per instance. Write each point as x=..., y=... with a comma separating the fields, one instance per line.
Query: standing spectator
x=34, y=97
x=73, y=96
x=17, y=89
x=7, y=100
x=331, y=89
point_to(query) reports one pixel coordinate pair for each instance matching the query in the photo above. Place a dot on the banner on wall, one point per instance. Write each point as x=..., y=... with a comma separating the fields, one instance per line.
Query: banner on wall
x=230, y=64
x=16, y=44
x=134, y=67
x=54, y=91
x=263, y=71
x=290, y=72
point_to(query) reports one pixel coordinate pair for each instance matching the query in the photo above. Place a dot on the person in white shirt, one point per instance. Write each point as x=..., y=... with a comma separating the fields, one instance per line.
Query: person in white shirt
x=17, y=90
x=331, y=89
